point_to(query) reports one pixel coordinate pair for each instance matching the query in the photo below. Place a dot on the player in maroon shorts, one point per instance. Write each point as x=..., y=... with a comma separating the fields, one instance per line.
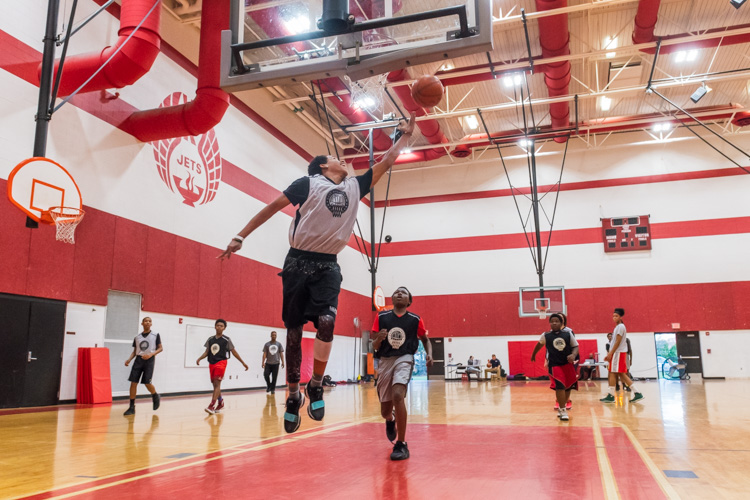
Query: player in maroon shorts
x=562, y=350
x=217, y=350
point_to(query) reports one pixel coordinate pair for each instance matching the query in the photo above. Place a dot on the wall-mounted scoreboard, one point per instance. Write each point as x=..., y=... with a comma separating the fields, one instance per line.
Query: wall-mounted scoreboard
x=626, y=234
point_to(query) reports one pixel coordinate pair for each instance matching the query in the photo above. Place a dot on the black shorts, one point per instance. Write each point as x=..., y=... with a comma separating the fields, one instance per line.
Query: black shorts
x=311, y=282
x=143, y=370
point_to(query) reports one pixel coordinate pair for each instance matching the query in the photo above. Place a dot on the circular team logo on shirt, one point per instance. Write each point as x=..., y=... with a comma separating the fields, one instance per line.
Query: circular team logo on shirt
x=215, y=349
x=559, y=344
x=273, y=349
x=337, y=202
x=396, y=337
x=143, y=345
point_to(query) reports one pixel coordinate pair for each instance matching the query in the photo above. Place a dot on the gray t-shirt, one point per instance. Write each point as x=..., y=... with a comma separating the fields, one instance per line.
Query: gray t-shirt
x=273, y=352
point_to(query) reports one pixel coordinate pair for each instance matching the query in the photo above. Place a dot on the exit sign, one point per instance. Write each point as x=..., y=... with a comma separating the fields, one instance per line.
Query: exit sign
x=626, y=234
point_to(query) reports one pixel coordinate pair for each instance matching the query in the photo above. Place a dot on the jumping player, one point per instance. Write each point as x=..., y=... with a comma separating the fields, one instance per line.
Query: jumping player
x=618, y=360
x=399, y=333
x=327, y=202
x=562, y=350
x=146, y=345
x=218, y=348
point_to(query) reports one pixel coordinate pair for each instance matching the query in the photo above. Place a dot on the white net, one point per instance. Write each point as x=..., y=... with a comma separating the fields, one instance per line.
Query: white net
x=66, y=219
x=542, y=307
x=368, y=94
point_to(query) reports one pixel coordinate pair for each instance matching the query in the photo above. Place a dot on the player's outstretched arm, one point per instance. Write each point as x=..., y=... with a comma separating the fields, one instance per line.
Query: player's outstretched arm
x=258, y=220
x=406, y=127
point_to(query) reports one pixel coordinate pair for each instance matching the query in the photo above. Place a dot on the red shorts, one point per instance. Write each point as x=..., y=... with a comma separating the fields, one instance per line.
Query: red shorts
x=563, y=377
x=217, y=369
x=619, y=363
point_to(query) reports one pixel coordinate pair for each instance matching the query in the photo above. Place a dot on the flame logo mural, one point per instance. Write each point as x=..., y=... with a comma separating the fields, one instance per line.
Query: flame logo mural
x=189, y=166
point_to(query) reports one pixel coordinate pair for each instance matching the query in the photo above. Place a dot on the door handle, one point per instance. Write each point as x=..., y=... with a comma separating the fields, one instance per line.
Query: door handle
x=29, y=359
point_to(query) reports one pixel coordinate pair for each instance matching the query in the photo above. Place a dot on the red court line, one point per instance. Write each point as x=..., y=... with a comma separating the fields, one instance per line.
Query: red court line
x=447, y=461
x=634, y=479
x=186, y=462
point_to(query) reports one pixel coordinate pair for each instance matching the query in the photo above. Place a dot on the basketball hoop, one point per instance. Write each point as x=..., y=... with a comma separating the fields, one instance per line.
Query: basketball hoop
x=368, y=93
x=66, y=219
x=378, y=299
x=542, y=306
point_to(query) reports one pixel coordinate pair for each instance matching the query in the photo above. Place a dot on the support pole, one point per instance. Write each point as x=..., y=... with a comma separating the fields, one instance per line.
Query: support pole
x=373, y=269
x=43, y=114
x=535, y=206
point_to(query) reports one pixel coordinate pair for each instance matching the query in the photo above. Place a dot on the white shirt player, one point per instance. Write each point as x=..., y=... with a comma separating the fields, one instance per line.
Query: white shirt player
x=326, y=211
x=621, y=331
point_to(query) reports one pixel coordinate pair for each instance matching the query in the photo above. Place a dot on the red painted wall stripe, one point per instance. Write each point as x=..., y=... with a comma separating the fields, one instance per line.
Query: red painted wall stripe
x=696, y=306
x=573, y=186
x=662, y=230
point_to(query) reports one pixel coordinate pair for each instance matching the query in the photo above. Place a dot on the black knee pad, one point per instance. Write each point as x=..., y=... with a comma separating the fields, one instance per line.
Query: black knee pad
x=325, y=328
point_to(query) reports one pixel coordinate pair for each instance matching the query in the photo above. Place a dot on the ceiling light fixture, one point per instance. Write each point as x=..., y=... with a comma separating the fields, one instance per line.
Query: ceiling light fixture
x=471, y=122
x=610, y=43
x=525, y=143
x=605, y=103
x=736, y=3
x=365, y=102
x=661, y=127
x=297, y=25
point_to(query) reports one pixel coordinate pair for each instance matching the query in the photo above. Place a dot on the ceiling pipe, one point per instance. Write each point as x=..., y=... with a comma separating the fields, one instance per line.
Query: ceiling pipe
x=645, y=21
x=554, y=37
x=464, y=146
x=210, y=103
x=131, y=60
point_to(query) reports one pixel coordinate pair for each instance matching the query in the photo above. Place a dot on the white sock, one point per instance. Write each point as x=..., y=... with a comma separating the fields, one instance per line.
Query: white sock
x=632, y=388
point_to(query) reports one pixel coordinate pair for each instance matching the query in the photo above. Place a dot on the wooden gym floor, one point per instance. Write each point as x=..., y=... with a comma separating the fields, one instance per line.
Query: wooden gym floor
x=467, y=439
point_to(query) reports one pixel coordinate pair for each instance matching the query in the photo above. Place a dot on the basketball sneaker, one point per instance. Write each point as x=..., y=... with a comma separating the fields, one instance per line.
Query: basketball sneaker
x=557, y=405
x=564, y=414
x=292, y=419
x=157, y=400
x=637, y=397
x=210, y=409
x=400, y=451
x=220, y=406
x=130, y=411
x=390, y=429
x=316, y=408
x=609, y=398
x=569, y=405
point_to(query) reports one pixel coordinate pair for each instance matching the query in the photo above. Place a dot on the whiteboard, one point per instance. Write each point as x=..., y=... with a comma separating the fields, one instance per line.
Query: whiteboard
x=195, y=338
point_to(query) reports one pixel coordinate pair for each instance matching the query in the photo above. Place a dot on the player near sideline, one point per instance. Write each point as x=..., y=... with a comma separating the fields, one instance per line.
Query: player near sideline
x=562, y=350
x=327, y=201
x=618, y=360
x=146, y=345
x=395, y=343
x=217, y=350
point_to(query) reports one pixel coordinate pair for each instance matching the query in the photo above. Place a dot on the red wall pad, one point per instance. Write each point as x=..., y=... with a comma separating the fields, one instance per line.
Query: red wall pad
x=94, y=384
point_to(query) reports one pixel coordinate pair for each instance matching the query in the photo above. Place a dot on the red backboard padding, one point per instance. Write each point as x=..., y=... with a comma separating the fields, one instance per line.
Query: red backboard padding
x=94, y=383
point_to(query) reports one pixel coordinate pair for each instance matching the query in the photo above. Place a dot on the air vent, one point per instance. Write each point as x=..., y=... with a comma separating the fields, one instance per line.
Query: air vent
x=630, y=76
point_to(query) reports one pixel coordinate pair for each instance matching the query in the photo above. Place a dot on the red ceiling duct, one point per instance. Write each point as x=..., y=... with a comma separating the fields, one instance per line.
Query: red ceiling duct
x=554, y=37
x=741, y=119
x=210, y=103
x=133, y=60
x=645, y=21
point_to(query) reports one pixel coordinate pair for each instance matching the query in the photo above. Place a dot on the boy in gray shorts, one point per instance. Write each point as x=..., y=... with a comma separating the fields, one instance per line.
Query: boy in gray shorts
x=397, y=339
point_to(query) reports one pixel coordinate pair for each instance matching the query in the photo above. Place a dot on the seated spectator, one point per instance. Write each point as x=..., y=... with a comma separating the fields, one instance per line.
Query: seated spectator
x=493, y=366
x=472, y=366
x=588, y=368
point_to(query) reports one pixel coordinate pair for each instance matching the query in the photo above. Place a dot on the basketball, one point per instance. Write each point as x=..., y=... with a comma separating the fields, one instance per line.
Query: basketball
x=427, y=91
x=489, y=365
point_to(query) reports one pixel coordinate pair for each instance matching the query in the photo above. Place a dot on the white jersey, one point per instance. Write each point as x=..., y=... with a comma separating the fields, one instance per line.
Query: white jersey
x=621, y=331
x=326, y=213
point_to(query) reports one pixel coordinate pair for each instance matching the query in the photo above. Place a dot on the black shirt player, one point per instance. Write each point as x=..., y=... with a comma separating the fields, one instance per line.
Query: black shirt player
x=396, y=341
